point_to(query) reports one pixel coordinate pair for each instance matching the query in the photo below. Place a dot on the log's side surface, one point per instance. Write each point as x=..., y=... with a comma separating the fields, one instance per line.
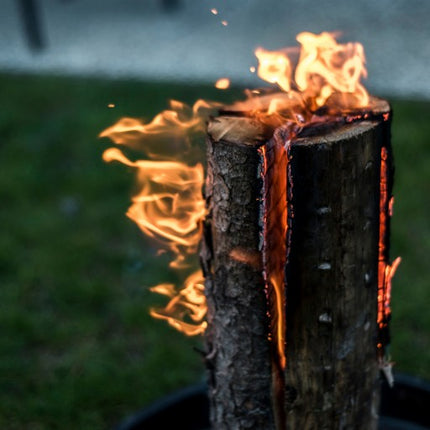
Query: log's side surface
x=238, y=356
x=332, y=372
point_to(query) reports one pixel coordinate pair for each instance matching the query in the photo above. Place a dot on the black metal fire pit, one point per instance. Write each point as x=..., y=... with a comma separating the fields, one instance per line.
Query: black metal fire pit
x=406, y=406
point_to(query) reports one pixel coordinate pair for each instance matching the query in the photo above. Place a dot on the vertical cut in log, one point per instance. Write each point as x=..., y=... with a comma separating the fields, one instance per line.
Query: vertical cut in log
x=275, y=215
x=327, y=303
x=385, y=269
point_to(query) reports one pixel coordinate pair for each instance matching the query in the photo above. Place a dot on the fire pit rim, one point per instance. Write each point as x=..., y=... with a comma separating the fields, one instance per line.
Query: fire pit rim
x=412, y=416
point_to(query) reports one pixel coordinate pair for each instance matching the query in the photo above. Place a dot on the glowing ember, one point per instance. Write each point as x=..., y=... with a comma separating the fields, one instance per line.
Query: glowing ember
x=275, y=231
x=280, y=326
x=214, y=11
x=224, y=23
x=222, y=84
x=385, y=270
x=111, y=105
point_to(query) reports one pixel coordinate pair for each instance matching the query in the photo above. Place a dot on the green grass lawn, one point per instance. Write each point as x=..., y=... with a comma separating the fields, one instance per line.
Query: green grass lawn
x=78, y=349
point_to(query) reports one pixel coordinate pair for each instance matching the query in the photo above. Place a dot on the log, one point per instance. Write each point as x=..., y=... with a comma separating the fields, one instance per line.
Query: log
x=238, y=356
x=301, y=210
x=332, y=289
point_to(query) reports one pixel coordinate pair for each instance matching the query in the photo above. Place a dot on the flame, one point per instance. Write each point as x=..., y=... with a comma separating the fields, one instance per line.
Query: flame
x=274, y=67
x=167, y=136
x=189, y=302
x=222, y=84
x=325, y=67
x=169, y=206
x=280, y=326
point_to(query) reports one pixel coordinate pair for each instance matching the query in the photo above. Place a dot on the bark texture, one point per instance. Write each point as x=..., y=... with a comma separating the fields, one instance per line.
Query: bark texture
x=332, y=370
x=238, y=357
x=330, y=289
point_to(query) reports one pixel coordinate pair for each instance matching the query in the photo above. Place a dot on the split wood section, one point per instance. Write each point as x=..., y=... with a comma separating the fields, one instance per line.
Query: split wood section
x=321, y=242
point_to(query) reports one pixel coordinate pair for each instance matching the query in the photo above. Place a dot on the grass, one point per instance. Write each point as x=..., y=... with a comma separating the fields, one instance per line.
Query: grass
x=78, y=349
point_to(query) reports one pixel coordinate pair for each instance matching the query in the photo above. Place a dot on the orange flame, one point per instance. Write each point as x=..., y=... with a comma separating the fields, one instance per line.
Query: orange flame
x=173, y=126
x=169, y=205
x=274, y=67
x=189, y=302
x=222, y=84
x=280, y=326
x=325, y=67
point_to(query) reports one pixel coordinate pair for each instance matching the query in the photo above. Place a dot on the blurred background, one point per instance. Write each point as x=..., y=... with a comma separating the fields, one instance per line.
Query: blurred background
x=78, y=348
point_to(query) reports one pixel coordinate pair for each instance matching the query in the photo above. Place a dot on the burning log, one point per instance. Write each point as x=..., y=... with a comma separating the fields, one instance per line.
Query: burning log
x=297, y=350
x=295, y=237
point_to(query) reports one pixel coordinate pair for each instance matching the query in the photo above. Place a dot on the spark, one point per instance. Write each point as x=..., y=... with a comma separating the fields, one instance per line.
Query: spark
x=222, y=84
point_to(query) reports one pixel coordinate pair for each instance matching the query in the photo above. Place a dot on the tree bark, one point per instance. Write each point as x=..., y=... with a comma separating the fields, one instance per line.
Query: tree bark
x=238, y=357
x=310, y=208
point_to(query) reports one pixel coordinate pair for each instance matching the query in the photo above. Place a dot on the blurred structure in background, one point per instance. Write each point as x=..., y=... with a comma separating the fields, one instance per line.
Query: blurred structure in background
x=31, y=22
x=182, y=40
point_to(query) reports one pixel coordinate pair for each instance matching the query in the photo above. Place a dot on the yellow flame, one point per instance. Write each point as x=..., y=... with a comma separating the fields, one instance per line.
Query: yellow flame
x=274, y=67
x=167, y=136
x=188, y=303
x=168, y=205
x=325, y=67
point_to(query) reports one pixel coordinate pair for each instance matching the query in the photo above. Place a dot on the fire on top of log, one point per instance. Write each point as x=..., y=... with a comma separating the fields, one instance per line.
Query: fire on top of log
x=257, y=225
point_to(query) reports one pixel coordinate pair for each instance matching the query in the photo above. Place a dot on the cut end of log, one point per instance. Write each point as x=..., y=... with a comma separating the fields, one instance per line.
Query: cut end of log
x=333, y=135
x=239, y=130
